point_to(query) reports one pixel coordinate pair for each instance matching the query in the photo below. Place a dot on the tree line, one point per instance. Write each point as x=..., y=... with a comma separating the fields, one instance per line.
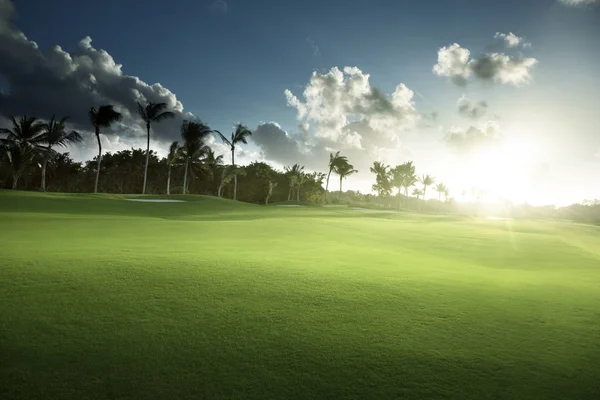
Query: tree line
x=29, y=148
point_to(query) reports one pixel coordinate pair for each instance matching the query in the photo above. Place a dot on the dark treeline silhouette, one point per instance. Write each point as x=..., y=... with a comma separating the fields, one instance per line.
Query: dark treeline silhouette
x=29, y=160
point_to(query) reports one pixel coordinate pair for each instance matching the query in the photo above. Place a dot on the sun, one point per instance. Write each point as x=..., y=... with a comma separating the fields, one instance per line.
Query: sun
x=502, y=171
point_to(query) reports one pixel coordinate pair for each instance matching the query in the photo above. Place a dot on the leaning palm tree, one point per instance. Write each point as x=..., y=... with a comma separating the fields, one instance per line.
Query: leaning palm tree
x=213, y=163
x=344, y=170
x=440, y=188
x=54, y=134
x=102, y=117
x=227, y=176
x=426, y=180
x=238, y=136
x=152, y=112
x=173, y=158
x=272, y=185
x=193, y=134
x=335, y=160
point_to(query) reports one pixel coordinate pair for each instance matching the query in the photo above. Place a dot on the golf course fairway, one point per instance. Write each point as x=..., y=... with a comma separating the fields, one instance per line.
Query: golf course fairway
x=102, y=298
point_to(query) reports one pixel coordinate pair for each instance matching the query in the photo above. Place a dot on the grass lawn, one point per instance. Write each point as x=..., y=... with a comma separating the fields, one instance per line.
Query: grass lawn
x=102, y=298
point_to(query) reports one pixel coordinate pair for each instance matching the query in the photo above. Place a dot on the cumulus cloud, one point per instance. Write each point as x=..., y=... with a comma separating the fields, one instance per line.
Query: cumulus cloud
x=277, y=144
x=455, y=62
x=473, y=137
x=579, y=2
x=44, y=82
x=472, y=110
x=347, y=110
x=511, y=40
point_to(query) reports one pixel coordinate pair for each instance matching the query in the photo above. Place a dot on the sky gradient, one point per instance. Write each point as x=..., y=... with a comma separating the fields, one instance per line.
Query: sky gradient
x=500, y=97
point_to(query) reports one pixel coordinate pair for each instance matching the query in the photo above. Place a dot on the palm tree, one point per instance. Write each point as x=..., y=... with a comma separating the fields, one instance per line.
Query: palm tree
x=382, y=181
x=426, y=180
x=344, y=170
x=54, y=134
x=173, y=158
x=417, y=192
x=194, y=134
x=227, y=176
x=272, y=185
x=17, y=156
x=213, y=162
x=102, y=117
x=152, y=112
x=335, y=160
x=238, y=136
x=441, y=189
x=21, y=142
x=294, y=174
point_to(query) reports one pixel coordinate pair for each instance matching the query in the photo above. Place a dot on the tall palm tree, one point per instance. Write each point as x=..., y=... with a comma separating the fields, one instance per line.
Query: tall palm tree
x=173, y=158
x=238, y=136
x=152, y=112
x=441, y=189
x=54, y=134
x=382, y=180
x=102, y=117
x=335, y=160
x=344, y=170
x=21, y=143
x=426, y=180
x=193, y=134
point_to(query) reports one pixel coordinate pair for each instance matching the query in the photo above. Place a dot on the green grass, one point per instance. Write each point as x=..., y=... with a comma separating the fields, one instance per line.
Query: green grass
x=102, y=298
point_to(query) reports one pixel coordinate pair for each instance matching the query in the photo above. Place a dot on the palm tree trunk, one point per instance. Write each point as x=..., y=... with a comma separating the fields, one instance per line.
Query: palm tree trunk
x=169, y=181
x=147, y=157
x=43, y=184
x=99, y=160
x=290, y=193
x=298, y=194
x=327, y=186
x=16, y=177
x=235, y=174
x=340, y=197
x=187, y=159
x=424, y=192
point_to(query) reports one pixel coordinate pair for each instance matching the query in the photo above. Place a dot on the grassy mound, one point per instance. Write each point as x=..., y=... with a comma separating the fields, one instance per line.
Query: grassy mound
x=104, y=298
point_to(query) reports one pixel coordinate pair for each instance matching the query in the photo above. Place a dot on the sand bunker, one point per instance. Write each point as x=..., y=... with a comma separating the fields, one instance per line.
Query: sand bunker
x=157, y=200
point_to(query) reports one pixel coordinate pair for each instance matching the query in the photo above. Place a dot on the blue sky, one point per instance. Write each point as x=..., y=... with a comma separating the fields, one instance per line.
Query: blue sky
x=232, y=60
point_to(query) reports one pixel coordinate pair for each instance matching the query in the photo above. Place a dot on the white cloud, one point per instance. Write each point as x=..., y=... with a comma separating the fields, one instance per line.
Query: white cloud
x=579, y=2
x=454, y=62
x=347, y=110
x=468, y=109
x=511, y=40
x=473, y=137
